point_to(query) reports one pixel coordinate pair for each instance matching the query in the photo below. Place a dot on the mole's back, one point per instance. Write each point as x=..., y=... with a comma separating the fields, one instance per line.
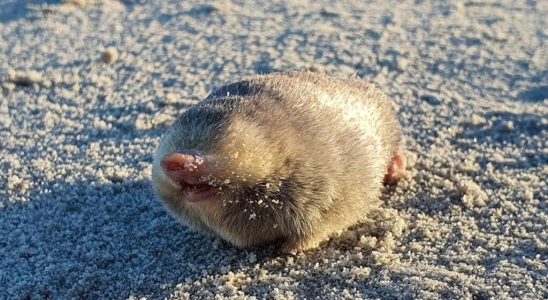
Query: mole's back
x=351, y=101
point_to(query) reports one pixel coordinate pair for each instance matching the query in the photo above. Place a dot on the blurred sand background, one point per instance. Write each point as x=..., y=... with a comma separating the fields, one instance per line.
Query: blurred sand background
x=88, y=87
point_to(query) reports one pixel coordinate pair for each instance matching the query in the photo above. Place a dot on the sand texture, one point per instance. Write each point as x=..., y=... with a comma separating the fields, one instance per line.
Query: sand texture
x=88, y=87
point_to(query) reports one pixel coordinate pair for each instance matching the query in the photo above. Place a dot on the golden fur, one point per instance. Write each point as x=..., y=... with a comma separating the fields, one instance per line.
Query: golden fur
x=298, y=157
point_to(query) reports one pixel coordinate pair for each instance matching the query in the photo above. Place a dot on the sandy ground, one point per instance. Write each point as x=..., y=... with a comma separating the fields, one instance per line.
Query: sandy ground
x=88, y=88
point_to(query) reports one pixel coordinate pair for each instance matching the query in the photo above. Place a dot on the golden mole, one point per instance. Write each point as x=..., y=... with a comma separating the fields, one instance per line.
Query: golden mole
x=284, y=157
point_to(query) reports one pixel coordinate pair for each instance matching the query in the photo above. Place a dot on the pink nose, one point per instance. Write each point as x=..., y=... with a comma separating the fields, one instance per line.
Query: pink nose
x=187, y=166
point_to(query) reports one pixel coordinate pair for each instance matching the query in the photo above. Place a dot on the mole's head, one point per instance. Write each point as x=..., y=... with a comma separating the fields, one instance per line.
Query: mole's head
x=232, y=173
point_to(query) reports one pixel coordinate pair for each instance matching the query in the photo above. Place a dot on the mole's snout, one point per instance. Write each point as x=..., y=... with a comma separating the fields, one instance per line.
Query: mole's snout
x=190, y=170
x=185, y=167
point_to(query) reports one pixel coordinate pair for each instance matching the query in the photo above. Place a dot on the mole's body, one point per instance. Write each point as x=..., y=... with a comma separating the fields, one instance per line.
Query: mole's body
x=290, y=157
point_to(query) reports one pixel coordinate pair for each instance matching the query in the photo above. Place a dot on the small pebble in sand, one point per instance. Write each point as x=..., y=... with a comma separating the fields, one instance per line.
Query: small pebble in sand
x=508, y=126
x=360, y=272
x=368, y=242
x=5, y=121
x=110, y=55
x=477, y=120
x=402, y=63
x=472, y=194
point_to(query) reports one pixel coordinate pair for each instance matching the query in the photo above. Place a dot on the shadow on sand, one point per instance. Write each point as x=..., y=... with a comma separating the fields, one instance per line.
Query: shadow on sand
x=105, y=241
x=13, y=10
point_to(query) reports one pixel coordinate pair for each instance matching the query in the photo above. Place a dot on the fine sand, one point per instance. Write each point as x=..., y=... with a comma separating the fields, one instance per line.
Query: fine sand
x=88, y=87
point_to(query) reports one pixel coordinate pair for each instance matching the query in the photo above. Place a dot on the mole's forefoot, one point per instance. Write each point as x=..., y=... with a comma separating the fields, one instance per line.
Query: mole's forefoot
x=396, y=169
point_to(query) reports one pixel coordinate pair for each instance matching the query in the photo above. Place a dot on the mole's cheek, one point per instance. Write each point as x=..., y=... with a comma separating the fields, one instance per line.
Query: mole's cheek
x=186, y=167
